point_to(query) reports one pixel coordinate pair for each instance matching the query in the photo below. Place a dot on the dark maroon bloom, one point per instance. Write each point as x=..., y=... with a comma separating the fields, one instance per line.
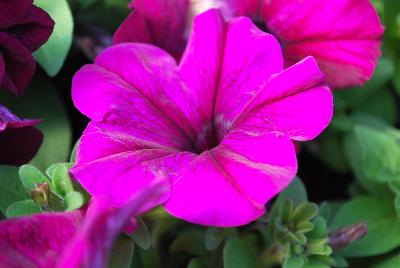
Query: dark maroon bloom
x=23, y=29
x=19, y=140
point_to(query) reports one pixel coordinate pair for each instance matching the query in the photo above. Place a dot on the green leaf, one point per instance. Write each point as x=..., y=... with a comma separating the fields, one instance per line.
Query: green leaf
x=380, y=153
x=196, y=263
x=392, y=261
x=373, y=105
x=330, y=150
x=305, y=212
x=122, y=253
x=51, y=56
x=190, y=241
x=11, y=187
x=22, y=208
x=141, y=236
x=60, y=180
x=295, y=192
x=353, y=98
x=30, y=175
x=73, y=200
x=72, y=157
x=382, y=221
x=293, y=262
x=238, y=254
x=55, y=125
x=214, y=237
x=354, y=155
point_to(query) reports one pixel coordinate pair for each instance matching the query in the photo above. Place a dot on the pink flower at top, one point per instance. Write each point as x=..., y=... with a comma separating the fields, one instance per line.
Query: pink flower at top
x=71, y=239
x=344, y=36
x=218, y=126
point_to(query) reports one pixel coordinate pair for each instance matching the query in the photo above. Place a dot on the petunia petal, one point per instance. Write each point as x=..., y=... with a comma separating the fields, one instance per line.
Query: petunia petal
x=135, y=169
x=226, y=71
x=36, y=241
x=343, y=35
x=136, y=86
x=103, y=223
x=33, y=30
x=295, y=103
x=160, y=22
x=12, y=11
x=19, y=140
x=20, y=66
x=230, y=184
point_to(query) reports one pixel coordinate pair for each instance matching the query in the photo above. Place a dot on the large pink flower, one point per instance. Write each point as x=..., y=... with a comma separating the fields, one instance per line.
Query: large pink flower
x=343, y=35
x=218, y=126
x=71, y=239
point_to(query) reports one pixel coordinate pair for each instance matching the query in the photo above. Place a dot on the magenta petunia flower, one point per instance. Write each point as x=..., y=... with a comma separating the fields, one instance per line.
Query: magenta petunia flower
x=218, y=126
x=19, y=140
x=71, y=239
x=23, y=29
x=344, y=36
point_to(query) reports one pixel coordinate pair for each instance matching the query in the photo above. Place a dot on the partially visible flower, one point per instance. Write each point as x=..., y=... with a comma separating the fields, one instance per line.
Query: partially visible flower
x=71, y=239
x=344, y=36
x=19, y=140
x=218, y=126
x=159, y=22
x=23, y=29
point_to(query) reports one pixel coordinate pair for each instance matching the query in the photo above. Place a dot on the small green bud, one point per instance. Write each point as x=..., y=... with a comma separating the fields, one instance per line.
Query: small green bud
x=40, y=195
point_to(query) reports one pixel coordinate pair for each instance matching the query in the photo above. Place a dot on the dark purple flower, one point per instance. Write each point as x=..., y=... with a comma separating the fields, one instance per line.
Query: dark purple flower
x=23, y=29
x=19, y=140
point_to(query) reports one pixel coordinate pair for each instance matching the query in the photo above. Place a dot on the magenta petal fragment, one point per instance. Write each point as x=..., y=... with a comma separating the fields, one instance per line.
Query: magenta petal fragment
x=230, y=184
x=103, y=223
x=344, y=36
x=19, y=140
x=295, y=103
x=12, y=11
x=135, y=169
x=159, y=22
x=34, y=29
x=136, y=86
x=36, y=241
x=19, y=64
x=228, y=70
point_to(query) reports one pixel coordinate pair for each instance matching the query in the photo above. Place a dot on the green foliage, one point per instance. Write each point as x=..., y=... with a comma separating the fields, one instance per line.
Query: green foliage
x=238, y=254
x=141, y=235
x=30, y=176
x=55, y=125
x=11, y=186
x=22, y=208
x=51, y=192
x=51, y=56
x=382, y=221
x=122, y=253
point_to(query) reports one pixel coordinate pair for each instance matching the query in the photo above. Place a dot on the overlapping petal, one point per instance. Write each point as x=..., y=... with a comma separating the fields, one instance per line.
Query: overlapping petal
x=72, y=239
x=344, y=36
x=12, y=11
x=160, y=22
x=34, y=29
x=295, y=103
x=230, y=184
x=19, y=140
x=23, y=29
x=19, y=64
x=226, y=71
x=37, y=241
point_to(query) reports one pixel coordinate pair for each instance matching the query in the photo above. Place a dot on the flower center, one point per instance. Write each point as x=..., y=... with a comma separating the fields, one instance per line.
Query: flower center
x=211, y=134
